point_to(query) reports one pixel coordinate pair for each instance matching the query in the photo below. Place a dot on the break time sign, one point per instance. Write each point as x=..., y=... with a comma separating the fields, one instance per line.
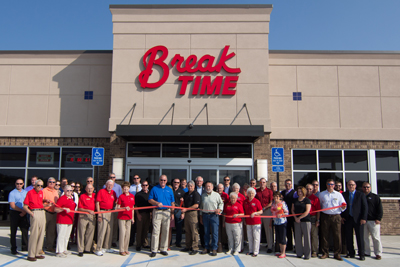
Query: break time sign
x=207, y=64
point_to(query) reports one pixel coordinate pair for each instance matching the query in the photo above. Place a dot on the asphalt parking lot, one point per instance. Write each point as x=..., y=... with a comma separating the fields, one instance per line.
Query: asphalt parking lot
x=390, y=257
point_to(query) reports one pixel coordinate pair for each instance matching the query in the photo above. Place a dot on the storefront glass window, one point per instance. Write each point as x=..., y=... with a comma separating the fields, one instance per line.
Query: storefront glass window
x=235, y=151
x=303, y=178
x=144, y=150
x=43, y=174
x=12, y=156
x=7, y=181
x=76, y=157
x=44, y=157
x=330, y=159
x=77, y=175
x=388, y=184
x=387, y=160
x=203, y=151
x=359, y=178
x=304, y=160
x=175, y=150
x=356, y=160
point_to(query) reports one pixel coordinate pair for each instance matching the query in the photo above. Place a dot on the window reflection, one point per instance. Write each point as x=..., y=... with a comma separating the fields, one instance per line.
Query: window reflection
x=356, y=160
x=330, y=159
x=388, y=184
x=359, y=178
x=304, y=160
x=303, y=178
x=12, y=157
x=324, y=176
x=387, y=160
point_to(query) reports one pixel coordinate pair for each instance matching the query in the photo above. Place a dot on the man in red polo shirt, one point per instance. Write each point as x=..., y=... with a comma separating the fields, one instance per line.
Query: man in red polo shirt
x=265, y=196
x=105, y=201
x=87, y=222
x=315, y=205
x=33, y=205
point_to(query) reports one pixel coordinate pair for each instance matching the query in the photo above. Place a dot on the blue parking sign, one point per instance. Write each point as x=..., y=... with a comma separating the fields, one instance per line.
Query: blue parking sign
x=277, y=156
x=97, y=156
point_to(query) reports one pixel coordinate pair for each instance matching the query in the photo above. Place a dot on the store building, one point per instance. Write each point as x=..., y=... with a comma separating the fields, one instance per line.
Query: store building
x=195, y=90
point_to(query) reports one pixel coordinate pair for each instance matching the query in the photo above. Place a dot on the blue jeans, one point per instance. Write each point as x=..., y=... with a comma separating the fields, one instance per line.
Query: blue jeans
x=211, y=223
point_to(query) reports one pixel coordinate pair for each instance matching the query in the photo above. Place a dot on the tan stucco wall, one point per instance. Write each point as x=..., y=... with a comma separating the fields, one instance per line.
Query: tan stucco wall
x=42, y=94
x=348, y=96
x=187, y=31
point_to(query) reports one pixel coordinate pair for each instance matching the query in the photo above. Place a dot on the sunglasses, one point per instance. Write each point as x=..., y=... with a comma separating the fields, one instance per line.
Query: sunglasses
x=51, y=182
x=112, y=177
x=19, y=183
x=58, y=184
x=163, y=180
x=366, y=186
x=331, y=184
x=136, y=178
x=145, y=185
x=39, y=185
x=69, y=190
x=226, y=180
x=176, y=182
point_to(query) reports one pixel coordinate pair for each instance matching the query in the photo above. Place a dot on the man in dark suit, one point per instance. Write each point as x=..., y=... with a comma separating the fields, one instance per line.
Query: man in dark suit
x=288, y=197
x=354, y=217
x=200, y=189
x=227, y=185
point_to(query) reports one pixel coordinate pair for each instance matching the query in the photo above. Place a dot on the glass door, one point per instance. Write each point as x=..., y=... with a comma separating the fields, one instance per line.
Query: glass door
x=173, y=172
x=146, y=173
x=208, y=174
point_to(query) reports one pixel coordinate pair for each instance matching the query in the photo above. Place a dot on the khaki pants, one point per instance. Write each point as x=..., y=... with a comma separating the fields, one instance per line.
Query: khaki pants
x=63, y=231
x=191, y=230
x=375, y=230
x=114, y=228
x=104, y=231
x=124, y=234
x=86, y=225
x=38, y=226
x=142, y=229
x=314, y=235
x=234, y=233
x=268, y=231
x=331, y=224
x=302, y=240
x=161, y=221
x=51, y=230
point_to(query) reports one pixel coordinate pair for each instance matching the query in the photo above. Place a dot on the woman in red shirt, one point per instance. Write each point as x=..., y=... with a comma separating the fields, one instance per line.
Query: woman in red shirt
x=125, y=218
x=233, y=224
x=252, y=207
x=65, y=218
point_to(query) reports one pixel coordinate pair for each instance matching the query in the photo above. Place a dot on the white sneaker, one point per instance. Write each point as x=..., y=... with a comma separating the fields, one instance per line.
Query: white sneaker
x=235, y=253
x=229, y=252
x=67, y=252
x=98, y=253
x=109, y=250
x=61, y=255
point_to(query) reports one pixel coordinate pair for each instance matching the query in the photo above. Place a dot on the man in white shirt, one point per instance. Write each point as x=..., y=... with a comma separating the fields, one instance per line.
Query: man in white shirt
x=331, y=220
x=136, y=186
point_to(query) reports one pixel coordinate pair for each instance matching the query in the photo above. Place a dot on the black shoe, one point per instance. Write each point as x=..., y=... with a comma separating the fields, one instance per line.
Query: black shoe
x=87, y=252
x=362, y=258
x=194, y=252
x=153, y=254
x=14, y=252
x=269, y=250
x=185, y=250
x=68, y=247
x=146, y=246
x=80, y=254
x=350, y=256
x=178, y=245
x=114, y=245
x=164, y=253
x=138, y=248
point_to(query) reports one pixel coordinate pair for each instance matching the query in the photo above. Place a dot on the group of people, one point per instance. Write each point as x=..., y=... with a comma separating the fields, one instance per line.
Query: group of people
x=195, y=207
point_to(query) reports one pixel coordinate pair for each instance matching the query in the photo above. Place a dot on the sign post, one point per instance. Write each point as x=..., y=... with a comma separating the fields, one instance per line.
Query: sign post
x=277, y=156
x=97, y=160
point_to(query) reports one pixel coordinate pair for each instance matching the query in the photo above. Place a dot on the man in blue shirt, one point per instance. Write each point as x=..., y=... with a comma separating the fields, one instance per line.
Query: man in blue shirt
x=161, y=195
x=33, y=181
x=18, y=216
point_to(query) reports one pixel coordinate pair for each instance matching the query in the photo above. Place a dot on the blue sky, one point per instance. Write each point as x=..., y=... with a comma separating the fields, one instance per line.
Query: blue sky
x=295, y=24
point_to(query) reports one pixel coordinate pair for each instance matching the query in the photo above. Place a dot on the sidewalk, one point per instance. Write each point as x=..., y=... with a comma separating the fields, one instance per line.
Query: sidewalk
x=390, y=257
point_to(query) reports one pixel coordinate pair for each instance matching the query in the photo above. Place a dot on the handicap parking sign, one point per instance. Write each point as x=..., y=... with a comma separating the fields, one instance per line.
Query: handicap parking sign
x=277, y=156
x=97, y=156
